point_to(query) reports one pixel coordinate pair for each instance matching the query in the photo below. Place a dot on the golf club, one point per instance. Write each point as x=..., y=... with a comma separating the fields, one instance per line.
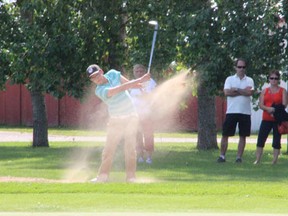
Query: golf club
x=154, y=23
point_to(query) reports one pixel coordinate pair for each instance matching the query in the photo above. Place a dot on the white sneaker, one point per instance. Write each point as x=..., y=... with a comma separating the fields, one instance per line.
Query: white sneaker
x=140, y=160
x=98, y=180
x=149, y=160
x=94, y=180
x=131, y=180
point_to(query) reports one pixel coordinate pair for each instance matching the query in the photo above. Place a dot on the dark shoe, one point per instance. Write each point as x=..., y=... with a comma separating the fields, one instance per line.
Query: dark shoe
x=131, y=180
x=238, y=160
x=221, y=160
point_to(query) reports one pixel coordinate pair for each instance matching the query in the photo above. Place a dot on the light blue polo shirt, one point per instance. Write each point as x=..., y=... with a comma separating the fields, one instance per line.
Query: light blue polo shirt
x=120, y=104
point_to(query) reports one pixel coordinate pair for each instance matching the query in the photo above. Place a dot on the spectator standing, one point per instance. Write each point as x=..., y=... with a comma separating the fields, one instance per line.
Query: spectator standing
x=145, y=135
x=270, y=96
x=238, y=88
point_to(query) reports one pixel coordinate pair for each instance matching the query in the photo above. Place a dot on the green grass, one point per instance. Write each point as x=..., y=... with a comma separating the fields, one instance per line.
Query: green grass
x=181, y=179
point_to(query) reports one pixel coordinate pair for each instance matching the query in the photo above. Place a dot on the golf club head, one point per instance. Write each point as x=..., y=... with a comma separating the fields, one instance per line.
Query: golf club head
x=154, y=23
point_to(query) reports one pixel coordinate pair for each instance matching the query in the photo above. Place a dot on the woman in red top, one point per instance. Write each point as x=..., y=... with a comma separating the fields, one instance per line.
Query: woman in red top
x=274, y=94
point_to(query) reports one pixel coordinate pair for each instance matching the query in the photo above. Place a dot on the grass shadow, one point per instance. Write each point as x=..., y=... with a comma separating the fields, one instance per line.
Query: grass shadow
x=171, y=162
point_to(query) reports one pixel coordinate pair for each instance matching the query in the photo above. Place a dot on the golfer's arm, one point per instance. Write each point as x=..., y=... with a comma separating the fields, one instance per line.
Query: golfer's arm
x=123, y=87
x=124, y=79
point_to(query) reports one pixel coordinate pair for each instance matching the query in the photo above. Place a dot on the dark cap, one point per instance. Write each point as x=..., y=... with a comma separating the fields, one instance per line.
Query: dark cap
x=92, y=69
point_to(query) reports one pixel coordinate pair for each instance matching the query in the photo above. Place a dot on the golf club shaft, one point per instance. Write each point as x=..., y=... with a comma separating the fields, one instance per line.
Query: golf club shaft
x=152, y=48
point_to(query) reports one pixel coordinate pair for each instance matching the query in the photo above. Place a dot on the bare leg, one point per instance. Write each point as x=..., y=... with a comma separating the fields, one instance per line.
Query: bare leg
x=224, y=145
x=140, y=146
x=276, y=153
x=241, y=146
x=259, y=152
x=148, y=134
x=149, y=154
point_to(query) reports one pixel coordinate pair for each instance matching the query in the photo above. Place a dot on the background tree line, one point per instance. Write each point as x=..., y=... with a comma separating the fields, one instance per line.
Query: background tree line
x=48, y=44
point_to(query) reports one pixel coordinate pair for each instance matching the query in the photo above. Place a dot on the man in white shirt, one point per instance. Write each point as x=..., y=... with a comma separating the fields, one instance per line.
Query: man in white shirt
x=145, y=137
x=238, y=88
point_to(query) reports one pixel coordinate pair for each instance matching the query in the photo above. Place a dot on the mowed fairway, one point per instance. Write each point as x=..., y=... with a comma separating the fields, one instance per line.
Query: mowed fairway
x=131, y=214
x=181, y=181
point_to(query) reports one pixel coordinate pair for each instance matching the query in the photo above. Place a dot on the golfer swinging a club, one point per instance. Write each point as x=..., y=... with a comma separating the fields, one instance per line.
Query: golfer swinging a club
x=112, y=90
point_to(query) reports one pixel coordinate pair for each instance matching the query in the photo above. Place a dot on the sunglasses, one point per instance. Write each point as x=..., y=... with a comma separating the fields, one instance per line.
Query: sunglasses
x=241, y=67
x=274, y=78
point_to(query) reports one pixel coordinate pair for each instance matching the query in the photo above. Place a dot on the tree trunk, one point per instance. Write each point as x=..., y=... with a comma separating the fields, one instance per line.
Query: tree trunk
x=40, y=124
x=207, y=133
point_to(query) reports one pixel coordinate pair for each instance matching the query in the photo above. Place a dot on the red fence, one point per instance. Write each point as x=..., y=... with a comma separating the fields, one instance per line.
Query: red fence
x=16, y=109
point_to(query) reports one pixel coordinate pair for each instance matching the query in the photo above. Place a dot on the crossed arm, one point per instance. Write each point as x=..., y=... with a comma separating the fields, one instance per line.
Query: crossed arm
x=248, y=91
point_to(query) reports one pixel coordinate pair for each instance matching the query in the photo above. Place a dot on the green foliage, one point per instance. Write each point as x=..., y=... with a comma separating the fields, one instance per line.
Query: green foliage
x=44, y=47
x=105, y=23
x=5, y=34
x=54, y=41
x=171, y=17
x=219, y=33
x=49, y=44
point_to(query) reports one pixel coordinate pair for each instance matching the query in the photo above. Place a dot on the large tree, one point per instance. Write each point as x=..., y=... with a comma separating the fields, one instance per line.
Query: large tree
x=220, y=32
x=47, y=45
x=42, y=49
x=170, y=15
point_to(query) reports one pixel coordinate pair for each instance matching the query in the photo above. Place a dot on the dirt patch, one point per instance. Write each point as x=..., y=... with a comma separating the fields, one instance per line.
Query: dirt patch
x=40, y=180
x=66, y=181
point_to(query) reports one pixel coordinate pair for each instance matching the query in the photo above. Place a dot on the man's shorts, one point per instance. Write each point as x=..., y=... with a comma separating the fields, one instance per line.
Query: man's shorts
x=231, y=121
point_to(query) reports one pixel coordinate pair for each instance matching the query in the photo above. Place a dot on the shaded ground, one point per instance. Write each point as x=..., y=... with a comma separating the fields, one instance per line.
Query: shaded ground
x=28, y=137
